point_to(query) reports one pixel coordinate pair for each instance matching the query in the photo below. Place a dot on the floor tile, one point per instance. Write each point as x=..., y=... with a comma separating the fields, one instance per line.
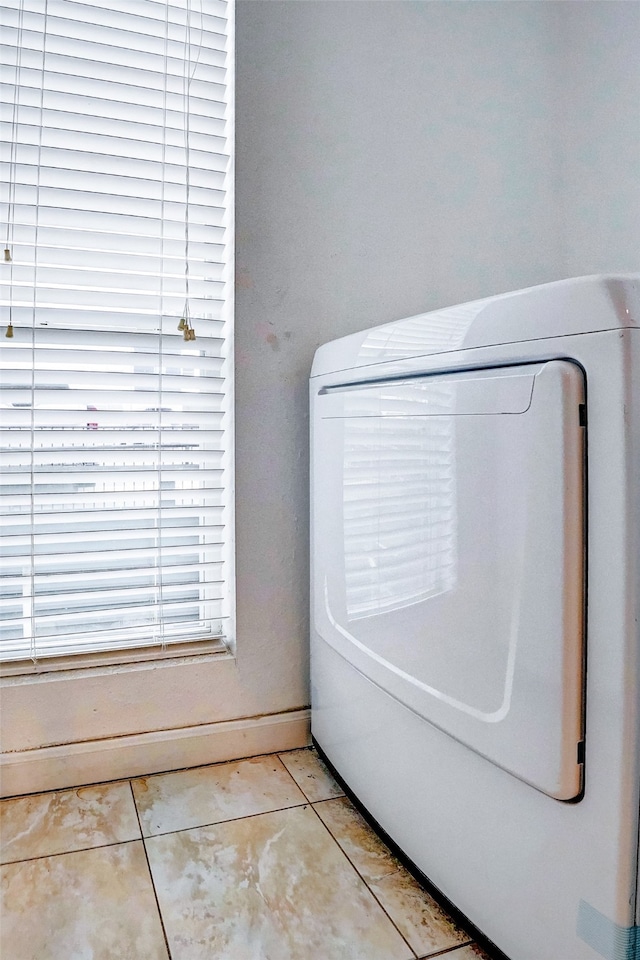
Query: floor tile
x=96, y=904
x=416, y=914
x=311, y=775
x=225, y=791
x=49, y=823
x=270, y=887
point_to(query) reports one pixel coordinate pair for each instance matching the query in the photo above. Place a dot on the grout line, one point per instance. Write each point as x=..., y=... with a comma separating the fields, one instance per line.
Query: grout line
x=72, y=789
x=65, y=853
x=219, y=823
x=205, y=766
x=306, y=802
x=353, y=866
x=447, y=951
x=477, y=938
x=164, y=833
x=114, y=843
x=148, y=776
x=153, y=886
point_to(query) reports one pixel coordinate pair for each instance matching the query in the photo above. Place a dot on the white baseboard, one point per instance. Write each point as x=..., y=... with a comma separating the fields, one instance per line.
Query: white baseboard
x=118, y=758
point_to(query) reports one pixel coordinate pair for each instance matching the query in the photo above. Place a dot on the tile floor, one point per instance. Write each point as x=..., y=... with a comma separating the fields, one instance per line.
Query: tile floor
x=260, y=859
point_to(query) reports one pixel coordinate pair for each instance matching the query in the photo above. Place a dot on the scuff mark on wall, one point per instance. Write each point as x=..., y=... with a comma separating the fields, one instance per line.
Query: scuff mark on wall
x=243, y=279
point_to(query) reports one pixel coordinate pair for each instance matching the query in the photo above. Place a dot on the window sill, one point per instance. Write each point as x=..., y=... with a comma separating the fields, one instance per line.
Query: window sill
x=140, y=657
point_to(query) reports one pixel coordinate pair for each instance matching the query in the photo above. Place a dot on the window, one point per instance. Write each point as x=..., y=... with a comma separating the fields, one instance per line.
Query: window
x=116, y=398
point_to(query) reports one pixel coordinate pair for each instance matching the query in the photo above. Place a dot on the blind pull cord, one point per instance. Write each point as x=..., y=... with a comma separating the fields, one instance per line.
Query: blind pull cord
x=8, y=257
x=188, y=73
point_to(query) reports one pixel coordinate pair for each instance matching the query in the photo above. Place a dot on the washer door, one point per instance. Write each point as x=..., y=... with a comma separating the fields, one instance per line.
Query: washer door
x=448, y=536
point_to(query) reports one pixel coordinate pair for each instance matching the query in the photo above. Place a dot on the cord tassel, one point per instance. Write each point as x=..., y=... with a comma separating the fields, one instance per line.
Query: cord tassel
x=188, y=333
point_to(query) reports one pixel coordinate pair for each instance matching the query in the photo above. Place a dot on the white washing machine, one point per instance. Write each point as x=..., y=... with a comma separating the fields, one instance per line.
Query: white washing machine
x=475, y=639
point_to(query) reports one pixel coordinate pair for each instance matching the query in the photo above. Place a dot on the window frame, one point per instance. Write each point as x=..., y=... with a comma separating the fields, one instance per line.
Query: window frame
x=183, y=649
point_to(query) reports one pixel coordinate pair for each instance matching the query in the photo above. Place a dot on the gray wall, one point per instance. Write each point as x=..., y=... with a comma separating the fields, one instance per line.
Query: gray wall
x=600, y=136
x=393, y=157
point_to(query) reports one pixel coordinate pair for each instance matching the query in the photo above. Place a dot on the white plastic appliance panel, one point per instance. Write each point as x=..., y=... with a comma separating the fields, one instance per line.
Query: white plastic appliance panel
x=449, y=555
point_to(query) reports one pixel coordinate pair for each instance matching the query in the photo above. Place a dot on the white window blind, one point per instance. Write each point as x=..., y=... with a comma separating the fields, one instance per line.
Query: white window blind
x=116, y=441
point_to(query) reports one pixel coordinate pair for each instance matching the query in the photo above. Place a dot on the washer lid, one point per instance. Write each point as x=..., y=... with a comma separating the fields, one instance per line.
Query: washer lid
x=448, y=555
x=568, y=307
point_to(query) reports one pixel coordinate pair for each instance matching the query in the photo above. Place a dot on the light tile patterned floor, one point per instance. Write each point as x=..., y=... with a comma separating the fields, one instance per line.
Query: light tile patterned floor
x=260, y=859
